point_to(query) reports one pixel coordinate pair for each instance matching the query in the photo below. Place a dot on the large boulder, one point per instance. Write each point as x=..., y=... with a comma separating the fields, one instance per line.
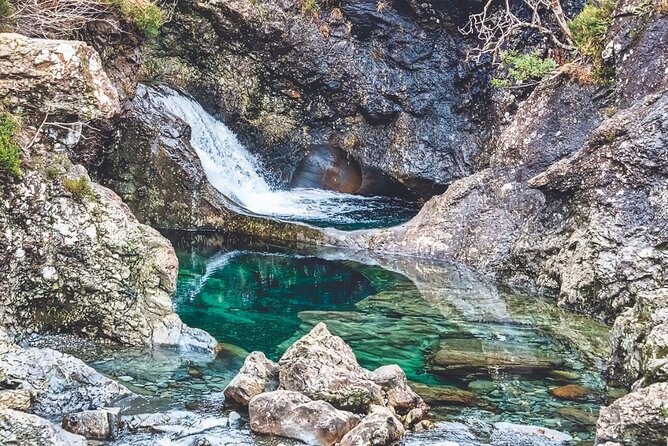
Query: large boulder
x=294, y=415
x=59, y=383
x=57, y=77
x=25, y=429
x=322, y=366
x=258, y=375
x=637, y=419
x=398, y=393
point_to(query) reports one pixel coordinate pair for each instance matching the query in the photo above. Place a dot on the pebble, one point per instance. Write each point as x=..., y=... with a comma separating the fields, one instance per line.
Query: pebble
x=126, y=378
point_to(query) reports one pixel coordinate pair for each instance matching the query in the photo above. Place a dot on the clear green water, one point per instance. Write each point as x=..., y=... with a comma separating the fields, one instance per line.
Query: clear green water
x=449, y=330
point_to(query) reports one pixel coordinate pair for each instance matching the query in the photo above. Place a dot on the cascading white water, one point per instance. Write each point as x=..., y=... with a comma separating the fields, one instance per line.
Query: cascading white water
x=236, y=173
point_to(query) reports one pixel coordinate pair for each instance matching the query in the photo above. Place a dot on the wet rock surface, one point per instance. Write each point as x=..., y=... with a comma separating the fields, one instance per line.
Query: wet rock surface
x=404, y=101
x=162, y=180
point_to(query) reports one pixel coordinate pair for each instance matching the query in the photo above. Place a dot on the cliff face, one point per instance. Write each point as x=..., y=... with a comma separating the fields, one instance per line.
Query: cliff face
x=574, y=202
x=74, y=259
x=385, y=82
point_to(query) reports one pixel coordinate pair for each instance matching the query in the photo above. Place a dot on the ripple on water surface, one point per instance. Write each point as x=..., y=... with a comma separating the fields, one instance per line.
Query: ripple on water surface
x=469, y=348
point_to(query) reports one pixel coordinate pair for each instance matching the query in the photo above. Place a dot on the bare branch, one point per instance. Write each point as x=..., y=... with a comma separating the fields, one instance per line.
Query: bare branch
x=495, y=26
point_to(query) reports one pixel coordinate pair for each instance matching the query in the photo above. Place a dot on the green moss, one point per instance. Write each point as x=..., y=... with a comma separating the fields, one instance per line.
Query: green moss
x=588, y=31
x=79, y=187
x=524, y=67
x=10, y=152
x=146, y=15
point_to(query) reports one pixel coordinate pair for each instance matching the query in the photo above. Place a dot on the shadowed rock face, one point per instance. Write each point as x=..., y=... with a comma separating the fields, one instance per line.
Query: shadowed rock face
x=326, y=167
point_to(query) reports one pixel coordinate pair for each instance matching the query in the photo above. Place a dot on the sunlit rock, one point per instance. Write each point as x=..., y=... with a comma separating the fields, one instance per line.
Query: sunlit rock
x=380, y=427
x=258, y=375
x=294, y=415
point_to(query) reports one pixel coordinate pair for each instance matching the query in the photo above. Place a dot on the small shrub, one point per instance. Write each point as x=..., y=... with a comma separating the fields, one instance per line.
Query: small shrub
x=146, y=15
x=500, y=83
x=310, y=7
x=79, y=187
x=10, y=152
x=5, y=9
x=523, y=67
x=588, y=28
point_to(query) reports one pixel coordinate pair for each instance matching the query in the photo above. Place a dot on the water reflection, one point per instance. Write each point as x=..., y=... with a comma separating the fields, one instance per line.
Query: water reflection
x=470, y=348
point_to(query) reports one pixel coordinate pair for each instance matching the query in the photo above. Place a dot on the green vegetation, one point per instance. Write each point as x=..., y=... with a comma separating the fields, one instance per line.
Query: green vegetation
x=588, y=30
x=310, y=7
x=10, y=152
x=79, y=187
x=5, y=9
x=146, y=15
x=524, y=67
x=500, y=83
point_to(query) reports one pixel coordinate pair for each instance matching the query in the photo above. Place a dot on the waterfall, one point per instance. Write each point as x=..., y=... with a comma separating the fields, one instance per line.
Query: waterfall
x=240, y=176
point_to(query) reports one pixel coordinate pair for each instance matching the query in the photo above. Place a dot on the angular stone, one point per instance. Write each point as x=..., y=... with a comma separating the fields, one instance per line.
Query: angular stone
x=17, y=399
x=380, y=427
x=59, y=77
x=20, y=428
x=258, y=375
x=293, y=415
x=94, y=424
x=323, y=366
x=637, y=419
x=399, y=394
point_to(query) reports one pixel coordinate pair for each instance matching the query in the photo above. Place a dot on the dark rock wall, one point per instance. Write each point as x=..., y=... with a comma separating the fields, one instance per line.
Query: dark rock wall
x=389, y=76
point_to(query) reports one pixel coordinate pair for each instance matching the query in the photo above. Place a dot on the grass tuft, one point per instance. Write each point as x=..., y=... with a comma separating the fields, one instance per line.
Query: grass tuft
x=10, y=152
x=79, y=187
x=524, y=67
x=145, y=14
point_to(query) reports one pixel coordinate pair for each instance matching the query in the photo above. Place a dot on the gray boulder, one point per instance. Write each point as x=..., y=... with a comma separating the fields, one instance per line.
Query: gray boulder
x=380, y=427
x=99, y=424
x=637, y=419
x=58, y=382
x=294, y=415
x=58, y=77
x=20, y=428
x=258, y=375
x=323, y=367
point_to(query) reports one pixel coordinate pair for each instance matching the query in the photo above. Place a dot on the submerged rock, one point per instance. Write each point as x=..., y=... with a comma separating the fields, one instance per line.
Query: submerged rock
x=258, y=375
x=637, y=419
x=294, y=415
x=571, y=392
x=481, y=357
x=323, y=366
